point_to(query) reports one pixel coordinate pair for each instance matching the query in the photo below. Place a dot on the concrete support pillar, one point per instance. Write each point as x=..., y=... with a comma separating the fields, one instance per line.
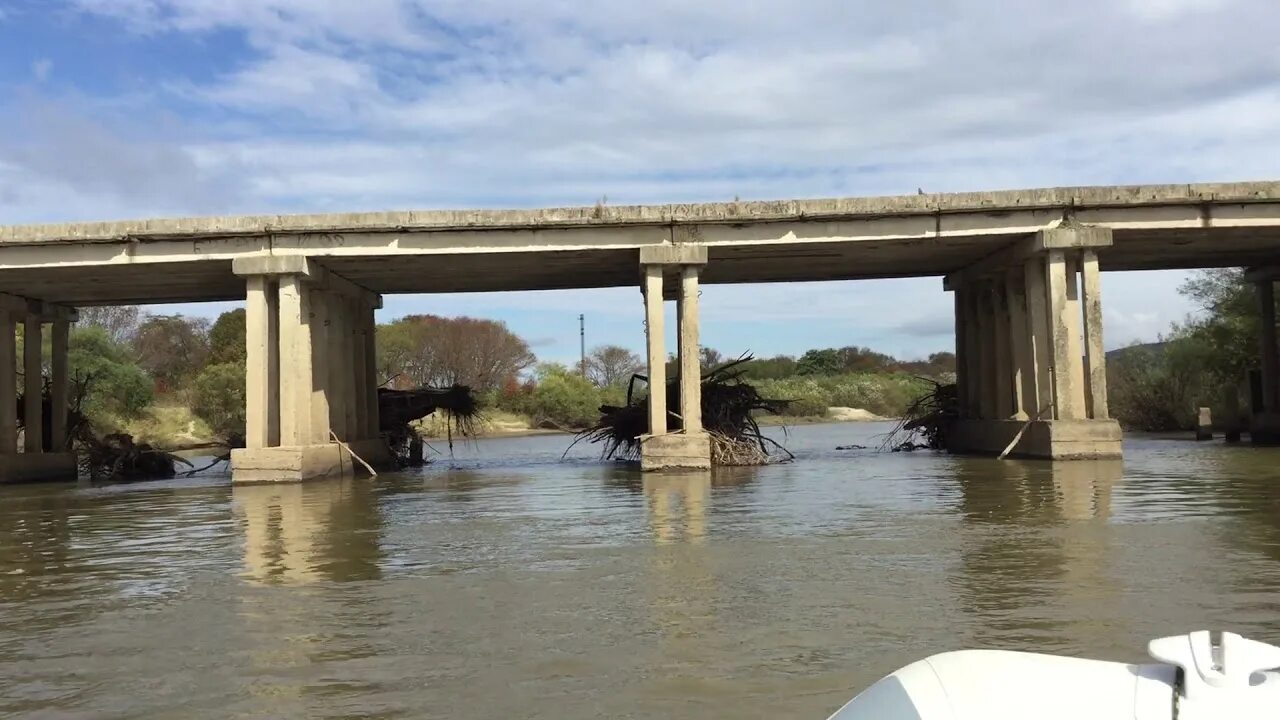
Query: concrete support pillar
x=59, y=383
x=295, y=360
x=1064, y=328
x=369, y=388
x=1030, y=323
x=340, y=363
x=1024, y=373
x=975, y=350
x=660, y=449
x=1270, y=352
x=989, y=377
x=1040, y=343
x=262, y=363
x=656, y=347
x=320, y=361
x=310, y=371
x=962, y=351
x=690, y=354
x=1003, y=344
x=1095, y=358
x=8, y=385
x=33, y=384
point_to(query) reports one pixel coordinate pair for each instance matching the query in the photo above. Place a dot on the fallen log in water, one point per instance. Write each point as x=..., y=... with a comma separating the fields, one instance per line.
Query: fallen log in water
x=728, y=406
x=399, y=409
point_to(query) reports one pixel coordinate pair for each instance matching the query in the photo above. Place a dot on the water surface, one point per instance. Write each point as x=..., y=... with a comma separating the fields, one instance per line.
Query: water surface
x=504, y=582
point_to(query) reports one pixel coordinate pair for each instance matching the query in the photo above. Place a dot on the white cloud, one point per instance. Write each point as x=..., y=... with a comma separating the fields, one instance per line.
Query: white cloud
x=41, y=68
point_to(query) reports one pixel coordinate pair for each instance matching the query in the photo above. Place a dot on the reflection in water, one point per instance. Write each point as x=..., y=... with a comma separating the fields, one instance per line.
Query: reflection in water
x=511, y=584
x=678, y=506
x=301, y=533
x=1025, y=563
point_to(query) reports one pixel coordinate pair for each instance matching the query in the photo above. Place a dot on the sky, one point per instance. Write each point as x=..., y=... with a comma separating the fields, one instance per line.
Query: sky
x=115, y=109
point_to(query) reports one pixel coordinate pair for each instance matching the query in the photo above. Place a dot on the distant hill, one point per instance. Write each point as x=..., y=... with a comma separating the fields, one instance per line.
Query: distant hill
x=1154, y=348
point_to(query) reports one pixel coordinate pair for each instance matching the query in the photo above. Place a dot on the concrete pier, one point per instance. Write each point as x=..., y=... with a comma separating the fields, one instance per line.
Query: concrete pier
x=1029, y=347
x=690, y=447
x=1265, y=424
x=308, y=356
x=41, y=457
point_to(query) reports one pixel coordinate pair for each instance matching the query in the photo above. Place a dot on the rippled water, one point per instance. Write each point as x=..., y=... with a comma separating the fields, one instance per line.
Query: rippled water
x=505, y=583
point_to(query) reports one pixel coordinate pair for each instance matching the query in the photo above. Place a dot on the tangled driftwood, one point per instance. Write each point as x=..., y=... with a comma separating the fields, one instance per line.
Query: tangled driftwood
x=399, y=409
x=729, y=404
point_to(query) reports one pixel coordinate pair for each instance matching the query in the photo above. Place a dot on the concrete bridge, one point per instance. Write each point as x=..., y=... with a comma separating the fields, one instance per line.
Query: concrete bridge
x=1023, y=267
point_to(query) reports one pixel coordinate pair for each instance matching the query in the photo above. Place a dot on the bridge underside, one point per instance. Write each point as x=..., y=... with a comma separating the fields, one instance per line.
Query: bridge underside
x=1024, y=266
x=120, y=280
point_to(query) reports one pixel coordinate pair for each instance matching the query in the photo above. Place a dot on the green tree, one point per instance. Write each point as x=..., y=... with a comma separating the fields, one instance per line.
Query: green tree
x=423, y=350
x=819, y=362
x=117, y=387
x=562, y=398
x=226, y=338
x=1228, y=324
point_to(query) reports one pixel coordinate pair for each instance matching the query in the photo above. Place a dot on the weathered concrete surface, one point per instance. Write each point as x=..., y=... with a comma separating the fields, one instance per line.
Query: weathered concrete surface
x=1044, y=439
x=37, y=467
x=306, y=462
x=675, y=451
x=1172, y=226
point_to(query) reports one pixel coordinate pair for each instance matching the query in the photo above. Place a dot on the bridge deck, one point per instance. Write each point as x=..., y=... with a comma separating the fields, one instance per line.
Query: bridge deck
x=1155, y=227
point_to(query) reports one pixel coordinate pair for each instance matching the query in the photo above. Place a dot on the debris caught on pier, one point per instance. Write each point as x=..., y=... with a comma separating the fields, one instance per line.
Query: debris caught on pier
x=926, y=422
x=399, y=409
x=728, y=406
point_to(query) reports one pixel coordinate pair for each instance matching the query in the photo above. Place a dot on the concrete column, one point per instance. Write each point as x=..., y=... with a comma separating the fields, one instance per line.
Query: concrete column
x=1038, y=337
x=962, y=352
x=33, y=387
x=1067, y=394
x=295, y=361
x=690, y=365
x=988, y=371
x=60, y=383
x=1024, y=375
x=8, y=385
x=1095, y=357
x=339, y=353
x=1270, y=352
x=262, y=369
x=657, y=353
x=974, y=350
x=1075, y=334
x=370, y=385
x=359, y=418
x=320, y=362
x=1004, y=364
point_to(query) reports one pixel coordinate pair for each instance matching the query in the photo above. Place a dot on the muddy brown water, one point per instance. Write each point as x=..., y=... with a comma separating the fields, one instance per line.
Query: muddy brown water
x=506, y=583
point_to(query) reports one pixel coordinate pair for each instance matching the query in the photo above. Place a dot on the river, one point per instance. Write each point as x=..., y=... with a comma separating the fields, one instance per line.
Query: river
x=504, y=582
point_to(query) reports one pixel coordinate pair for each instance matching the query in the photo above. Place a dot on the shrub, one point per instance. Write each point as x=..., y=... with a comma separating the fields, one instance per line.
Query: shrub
x=217, y=396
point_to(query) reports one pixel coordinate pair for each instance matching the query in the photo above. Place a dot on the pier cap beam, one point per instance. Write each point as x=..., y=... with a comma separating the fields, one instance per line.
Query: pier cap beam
x=1064, y=237
x=315, y=273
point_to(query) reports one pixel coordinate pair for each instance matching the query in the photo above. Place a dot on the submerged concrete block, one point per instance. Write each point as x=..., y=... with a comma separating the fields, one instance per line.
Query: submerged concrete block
x=306, y=462
x=1042, y=439
x=675, y=451
x=1204, y=424
x=37, y=467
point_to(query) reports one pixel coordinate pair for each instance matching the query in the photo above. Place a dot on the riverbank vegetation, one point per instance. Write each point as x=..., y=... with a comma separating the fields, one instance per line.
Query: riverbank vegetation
x=1199, y=363
x=173, y=381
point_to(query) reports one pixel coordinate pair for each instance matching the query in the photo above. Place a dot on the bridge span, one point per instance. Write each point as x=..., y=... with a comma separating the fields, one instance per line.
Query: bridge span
x=1023, y=267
